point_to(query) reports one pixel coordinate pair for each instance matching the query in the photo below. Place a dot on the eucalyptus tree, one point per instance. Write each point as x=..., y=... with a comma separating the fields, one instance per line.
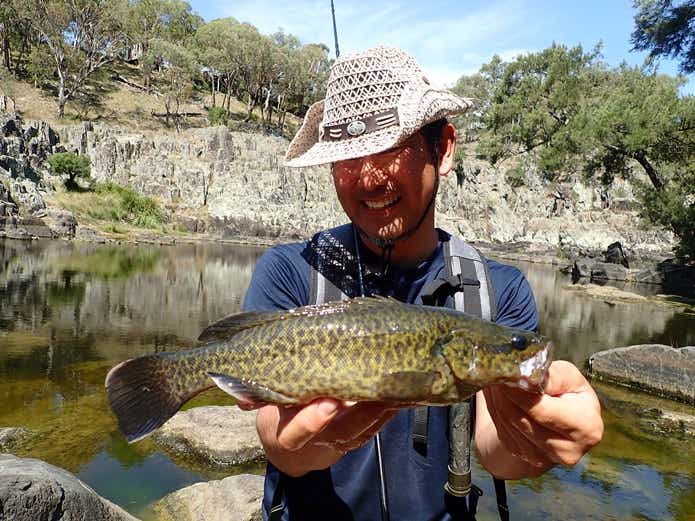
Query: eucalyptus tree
x=217, y=48
x=176, y=66
x=81, y=36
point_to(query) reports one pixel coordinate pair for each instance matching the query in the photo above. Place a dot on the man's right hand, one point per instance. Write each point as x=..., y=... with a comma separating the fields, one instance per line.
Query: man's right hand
x=315, y=436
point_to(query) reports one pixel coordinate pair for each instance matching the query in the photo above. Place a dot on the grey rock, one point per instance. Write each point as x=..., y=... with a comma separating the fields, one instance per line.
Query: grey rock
x=61, y=222
x=236, y=498
x=221, y=436
x=607, y=271
x=597, y=271
x=675, y=278
x=660, y=369
x=88, y=234
x=32, y=490
x=11, y=436
x=614, y=254
x=239, y=181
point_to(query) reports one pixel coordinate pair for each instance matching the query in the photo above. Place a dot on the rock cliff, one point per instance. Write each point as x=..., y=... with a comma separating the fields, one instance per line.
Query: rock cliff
x=241, y=182
x=229, y=184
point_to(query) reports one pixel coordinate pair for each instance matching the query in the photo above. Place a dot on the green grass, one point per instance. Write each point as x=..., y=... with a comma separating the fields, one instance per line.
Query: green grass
x=114, y=208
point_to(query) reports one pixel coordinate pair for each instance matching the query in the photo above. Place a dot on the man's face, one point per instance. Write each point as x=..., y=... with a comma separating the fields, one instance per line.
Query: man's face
x=386, y=194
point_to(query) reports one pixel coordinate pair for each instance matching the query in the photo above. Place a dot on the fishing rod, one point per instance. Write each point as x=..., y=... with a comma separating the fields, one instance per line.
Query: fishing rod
x=335, y=31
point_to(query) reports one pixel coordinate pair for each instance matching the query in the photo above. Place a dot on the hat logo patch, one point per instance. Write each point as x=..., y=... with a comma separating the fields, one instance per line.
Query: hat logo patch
x=356, y=128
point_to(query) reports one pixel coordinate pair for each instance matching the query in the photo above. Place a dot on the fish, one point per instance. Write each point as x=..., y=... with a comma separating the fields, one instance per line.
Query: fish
x=363, y=349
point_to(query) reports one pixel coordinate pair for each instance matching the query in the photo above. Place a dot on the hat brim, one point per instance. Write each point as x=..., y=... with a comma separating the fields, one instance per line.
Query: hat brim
x=306, y=150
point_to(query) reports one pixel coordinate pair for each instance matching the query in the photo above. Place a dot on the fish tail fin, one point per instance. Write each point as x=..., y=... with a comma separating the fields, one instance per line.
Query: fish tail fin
x=142, y=396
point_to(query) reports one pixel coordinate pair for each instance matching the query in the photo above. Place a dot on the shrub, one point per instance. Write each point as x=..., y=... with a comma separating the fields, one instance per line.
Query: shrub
x=217, y=116
x=70, y=164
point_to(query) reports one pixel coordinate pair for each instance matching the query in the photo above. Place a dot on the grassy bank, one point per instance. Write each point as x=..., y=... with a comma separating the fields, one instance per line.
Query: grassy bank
x=112, y=208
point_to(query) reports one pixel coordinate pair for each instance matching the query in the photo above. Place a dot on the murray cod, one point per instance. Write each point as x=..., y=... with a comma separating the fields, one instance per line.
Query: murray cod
x=360, y=349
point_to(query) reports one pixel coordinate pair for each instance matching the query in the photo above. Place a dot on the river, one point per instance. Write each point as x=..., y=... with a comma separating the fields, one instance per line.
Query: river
x=69, y=311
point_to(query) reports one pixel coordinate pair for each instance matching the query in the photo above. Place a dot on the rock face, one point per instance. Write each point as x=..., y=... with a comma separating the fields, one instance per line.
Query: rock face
x=659, y=369
x=31, y=490
x=24, y=147
x=222, y=436
x=240, y=180
x=235, y=498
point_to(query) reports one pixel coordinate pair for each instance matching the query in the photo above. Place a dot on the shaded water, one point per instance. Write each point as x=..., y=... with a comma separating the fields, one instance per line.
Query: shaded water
x=70, y=311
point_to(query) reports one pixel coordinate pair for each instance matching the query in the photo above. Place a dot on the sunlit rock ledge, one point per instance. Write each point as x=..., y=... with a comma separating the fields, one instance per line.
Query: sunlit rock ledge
x=663, y=370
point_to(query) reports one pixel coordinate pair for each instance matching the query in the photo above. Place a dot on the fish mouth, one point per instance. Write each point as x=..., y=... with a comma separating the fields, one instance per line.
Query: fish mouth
x=534, y=371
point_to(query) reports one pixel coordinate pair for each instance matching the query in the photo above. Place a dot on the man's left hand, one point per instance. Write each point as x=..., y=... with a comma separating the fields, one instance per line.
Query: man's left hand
x=541, y=430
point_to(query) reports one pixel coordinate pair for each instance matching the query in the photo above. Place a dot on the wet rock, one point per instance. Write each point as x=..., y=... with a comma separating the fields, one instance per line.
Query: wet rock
x=236, y=497
x=660, y=369
x=221, y=436
x=11, y=436
x=32, y=490
x=606, y=271
x=677, y=279
x=614, y=254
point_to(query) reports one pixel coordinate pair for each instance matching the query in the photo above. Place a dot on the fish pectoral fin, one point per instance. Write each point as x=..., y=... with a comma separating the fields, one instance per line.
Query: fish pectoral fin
x=248, y=391
x=406, y=385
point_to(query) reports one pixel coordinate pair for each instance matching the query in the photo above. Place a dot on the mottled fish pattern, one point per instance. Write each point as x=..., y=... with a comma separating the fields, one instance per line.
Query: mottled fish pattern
x=360, y=349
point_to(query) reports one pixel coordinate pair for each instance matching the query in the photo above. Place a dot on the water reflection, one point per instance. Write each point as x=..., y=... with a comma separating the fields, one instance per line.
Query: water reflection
x=70, y=311
x=581, y=325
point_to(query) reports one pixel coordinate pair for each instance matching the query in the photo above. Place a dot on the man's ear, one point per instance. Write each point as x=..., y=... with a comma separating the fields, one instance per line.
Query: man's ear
x=447, y=149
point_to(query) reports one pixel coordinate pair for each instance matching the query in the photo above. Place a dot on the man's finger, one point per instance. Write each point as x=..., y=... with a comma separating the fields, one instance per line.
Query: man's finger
x=353, y=421
x=296, y=427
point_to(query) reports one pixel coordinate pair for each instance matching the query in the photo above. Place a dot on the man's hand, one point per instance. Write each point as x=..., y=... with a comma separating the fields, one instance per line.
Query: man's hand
x=523, y=434
x=313, y=437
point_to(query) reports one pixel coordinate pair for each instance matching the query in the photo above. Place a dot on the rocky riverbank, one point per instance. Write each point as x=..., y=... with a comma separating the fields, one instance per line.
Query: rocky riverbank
x=218, y=184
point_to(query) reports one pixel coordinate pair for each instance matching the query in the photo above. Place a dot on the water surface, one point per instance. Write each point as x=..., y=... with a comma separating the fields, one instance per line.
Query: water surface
x=70, y=311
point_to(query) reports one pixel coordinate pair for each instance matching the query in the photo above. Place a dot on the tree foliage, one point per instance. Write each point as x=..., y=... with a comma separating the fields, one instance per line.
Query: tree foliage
x=573, y=114
x=177, y=67
x=81, y=36
x=70, y=164
x=666, y=30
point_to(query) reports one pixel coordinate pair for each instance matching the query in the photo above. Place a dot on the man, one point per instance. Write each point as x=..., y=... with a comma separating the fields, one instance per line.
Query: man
x=381, y=128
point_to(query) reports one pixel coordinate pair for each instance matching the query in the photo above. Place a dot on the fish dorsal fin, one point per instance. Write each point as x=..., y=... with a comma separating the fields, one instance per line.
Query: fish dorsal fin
x=233, y=324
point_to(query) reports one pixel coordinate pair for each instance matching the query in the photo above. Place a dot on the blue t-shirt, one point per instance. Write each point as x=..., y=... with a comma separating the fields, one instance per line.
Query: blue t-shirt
x=349, y=490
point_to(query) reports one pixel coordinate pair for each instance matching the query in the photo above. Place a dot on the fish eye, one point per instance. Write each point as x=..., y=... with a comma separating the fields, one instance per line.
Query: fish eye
x=519, y=342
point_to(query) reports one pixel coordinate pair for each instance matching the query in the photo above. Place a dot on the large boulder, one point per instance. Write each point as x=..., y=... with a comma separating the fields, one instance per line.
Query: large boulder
x=660, y=369
x=236, y=498
x=221, y=436
x=32, y=490
x=614, y=254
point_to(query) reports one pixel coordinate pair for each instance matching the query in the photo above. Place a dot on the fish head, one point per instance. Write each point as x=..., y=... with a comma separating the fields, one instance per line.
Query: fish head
x=498, y=354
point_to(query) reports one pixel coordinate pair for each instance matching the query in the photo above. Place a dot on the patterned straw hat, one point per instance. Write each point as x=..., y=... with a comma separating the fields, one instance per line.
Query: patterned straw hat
x=374, y=100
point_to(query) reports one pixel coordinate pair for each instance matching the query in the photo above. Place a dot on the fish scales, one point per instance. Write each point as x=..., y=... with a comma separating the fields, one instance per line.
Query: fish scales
x=324, y=355
x=362, y=349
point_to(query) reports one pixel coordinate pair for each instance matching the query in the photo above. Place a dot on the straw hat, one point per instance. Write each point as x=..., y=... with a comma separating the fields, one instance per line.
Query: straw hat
x=374, y=100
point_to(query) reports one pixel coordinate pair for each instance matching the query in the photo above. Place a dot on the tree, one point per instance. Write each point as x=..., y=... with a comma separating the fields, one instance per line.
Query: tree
x=666, y=30
x=171, y=20
x=81, y=35
x=177, y=67
x=533, y=104
x=570, y=113
x=70, y=164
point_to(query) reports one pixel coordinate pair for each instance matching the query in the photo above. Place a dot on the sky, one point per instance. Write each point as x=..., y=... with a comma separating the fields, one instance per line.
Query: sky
x=449, y=38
